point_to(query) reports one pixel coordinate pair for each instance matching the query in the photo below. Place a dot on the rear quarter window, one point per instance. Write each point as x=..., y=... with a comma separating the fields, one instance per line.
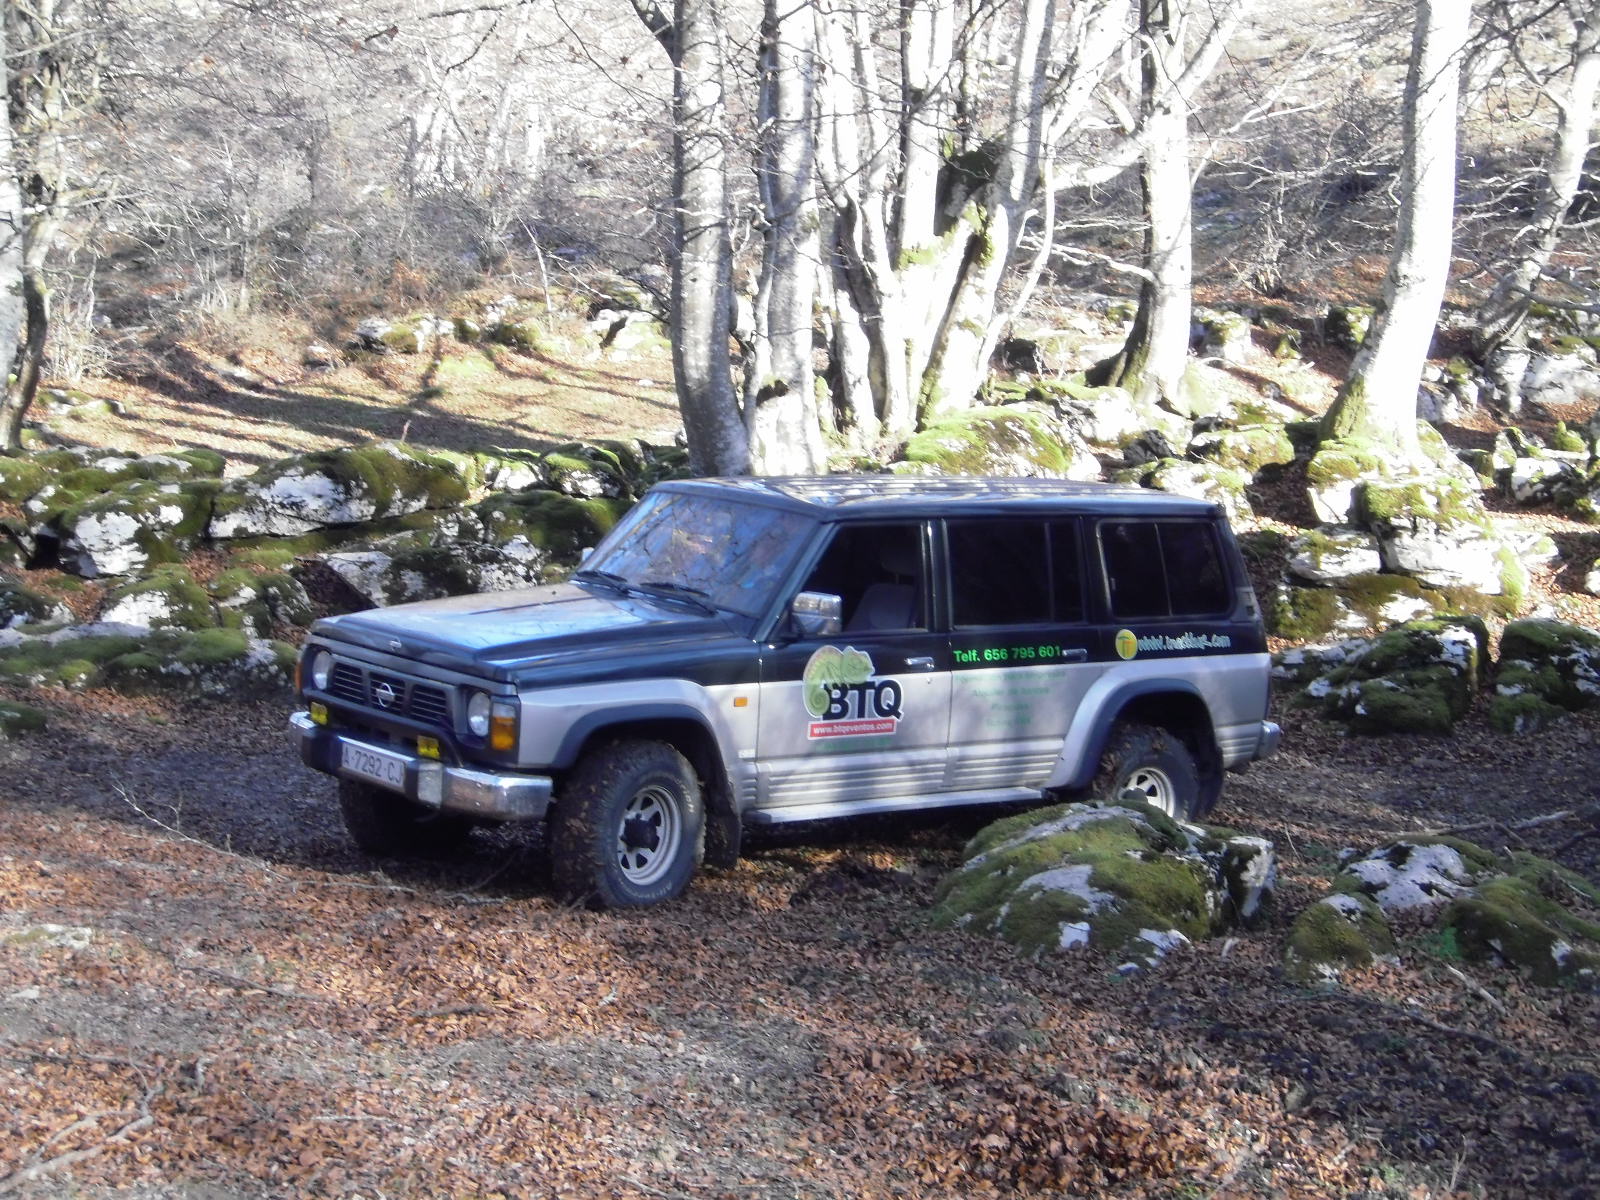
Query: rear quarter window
x=1161, y=569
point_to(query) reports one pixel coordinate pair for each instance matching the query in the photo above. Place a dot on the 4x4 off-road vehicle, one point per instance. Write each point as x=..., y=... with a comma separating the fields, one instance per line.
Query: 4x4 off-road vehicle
x=754, y=651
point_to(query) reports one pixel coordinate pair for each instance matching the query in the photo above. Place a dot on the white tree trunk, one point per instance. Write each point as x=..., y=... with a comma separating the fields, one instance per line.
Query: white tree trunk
x=1502, y=317
x=1378, y=402
x=11, y=313
x=780, y=394
x=702, y=289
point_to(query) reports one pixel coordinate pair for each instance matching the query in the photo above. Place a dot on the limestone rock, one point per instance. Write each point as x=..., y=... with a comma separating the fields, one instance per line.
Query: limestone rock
x=1203, y=481
x=134, y=526
x=1246, y=448
x=1024, y=441
x=1547, y=669
x=1337, y=933
x=1334, y=553
x=1122, y=878
x=343, y=487
x=169, y=598
x=1419, y=677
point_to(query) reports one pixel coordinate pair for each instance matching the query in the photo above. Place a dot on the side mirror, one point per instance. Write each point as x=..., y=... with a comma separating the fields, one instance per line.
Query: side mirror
x=583, y=555
x=817, y=614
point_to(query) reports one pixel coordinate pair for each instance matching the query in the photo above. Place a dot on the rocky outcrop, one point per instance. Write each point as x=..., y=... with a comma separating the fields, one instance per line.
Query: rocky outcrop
x=1515, y=911
x=1121, y=878
x=1026, y=441
x=1546, y=670
x=1419, y=677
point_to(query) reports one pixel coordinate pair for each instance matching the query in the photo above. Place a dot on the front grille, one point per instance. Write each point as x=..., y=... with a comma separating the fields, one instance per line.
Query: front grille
x=391, y=695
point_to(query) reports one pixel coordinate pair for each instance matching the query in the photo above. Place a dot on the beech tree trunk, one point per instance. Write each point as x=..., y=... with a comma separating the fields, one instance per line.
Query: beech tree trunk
x=1153, y=362
x=12, y=319
x=1501, y=341
x=1378, y=402
x=780, y=401
x=39, y=40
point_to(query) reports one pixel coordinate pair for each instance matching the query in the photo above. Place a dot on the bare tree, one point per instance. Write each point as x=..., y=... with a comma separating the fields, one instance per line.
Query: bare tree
x=1501, y=340
x=1152, y=364
x=779, y=395
x=702, y=283
x=52, y=84
x=1378, y=402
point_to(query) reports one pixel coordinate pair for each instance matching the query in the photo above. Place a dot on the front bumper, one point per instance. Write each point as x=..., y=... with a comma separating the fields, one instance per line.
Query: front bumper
x=490, y=795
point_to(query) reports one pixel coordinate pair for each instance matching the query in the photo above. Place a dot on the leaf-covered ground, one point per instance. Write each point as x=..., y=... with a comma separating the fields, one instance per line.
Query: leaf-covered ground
x=256, y=1010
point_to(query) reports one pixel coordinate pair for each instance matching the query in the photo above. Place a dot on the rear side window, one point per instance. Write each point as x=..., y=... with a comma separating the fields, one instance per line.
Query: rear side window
x=1164, y=569
x=1014, y=572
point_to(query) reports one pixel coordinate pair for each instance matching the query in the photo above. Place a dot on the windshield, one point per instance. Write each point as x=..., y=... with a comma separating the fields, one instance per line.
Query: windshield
x=728, y=554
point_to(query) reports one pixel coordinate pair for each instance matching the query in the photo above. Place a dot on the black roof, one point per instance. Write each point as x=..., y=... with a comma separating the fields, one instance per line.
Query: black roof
x=829, y=497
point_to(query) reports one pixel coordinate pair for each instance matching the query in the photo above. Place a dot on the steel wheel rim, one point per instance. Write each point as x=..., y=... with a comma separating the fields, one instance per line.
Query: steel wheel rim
x=648, y=835
x=1155, y=785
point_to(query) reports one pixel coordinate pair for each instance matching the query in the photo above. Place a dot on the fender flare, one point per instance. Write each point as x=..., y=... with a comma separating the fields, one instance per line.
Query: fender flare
x=581, y=730
x=1098, y=715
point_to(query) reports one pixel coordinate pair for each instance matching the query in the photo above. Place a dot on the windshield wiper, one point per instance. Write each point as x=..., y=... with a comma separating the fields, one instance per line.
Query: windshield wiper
x=681, y=591
x=605, y=578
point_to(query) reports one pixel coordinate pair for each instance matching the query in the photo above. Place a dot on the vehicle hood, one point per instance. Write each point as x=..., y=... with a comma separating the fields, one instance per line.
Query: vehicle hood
x=501, y=632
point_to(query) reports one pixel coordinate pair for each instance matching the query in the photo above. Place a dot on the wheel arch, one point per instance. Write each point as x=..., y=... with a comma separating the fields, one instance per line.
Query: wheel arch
x=690, y=735
x=1171, y=704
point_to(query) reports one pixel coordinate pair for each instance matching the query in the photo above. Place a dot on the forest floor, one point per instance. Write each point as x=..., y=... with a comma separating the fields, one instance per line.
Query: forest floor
x=205, y=992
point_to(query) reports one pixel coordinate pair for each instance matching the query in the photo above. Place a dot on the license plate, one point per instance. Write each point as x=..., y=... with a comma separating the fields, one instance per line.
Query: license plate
x=377, y=765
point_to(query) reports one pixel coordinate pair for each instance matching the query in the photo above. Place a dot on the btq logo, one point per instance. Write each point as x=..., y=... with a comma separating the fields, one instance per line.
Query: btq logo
x=845, y=698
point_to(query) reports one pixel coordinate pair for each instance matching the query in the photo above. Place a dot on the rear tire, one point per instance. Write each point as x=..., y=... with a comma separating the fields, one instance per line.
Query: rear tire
x=1153, y=762
x=629, y=828
x=388, y=825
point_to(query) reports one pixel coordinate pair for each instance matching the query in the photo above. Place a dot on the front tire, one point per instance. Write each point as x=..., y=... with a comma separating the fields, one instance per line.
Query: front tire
x=387, y=825
x=629, y=829
x=1153, y=762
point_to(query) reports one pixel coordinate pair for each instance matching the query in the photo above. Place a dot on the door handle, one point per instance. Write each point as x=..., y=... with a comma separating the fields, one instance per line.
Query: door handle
x=921, y=663
x=1079, y=655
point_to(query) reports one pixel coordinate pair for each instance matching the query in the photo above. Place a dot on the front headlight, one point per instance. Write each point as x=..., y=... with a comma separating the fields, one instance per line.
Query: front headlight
x=478, y=709
x=321, y=669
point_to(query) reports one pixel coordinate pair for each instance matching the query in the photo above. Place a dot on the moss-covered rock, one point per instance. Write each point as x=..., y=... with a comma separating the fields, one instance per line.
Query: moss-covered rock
x=72, y=657
x=1420, y=677
x=17, y=719
x=259, y=603
x=1122, y=878
x=23, y=605
x=1346, y=325
x=20, y=477
x=1528, y=919
x=1361, y=603
x=1334, y=553
x=1013, y=440
x=344, y=487
x=168, y=598
x=1246, y=448
x=131, y=527
x=1225, y=335
x=206, y=663
x=1339, y=932
x=1211, y=481
x=1547, y=669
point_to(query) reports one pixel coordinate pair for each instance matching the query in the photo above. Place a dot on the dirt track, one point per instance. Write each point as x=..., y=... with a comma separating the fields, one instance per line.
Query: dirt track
x=259, y=1012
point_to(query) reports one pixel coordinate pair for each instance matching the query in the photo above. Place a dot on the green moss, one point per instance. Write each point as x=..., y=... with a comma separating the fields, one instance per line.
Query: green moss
x=523, y=336
x=1324, y=940
x=984, y=441
x=74, y=663
x=187, y=604
x=1540, y=637
x=1524, y=713
x=20, y=718
x=1414, y=707
x=1511, y=920
x=1562, y=438
x=20, y=478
